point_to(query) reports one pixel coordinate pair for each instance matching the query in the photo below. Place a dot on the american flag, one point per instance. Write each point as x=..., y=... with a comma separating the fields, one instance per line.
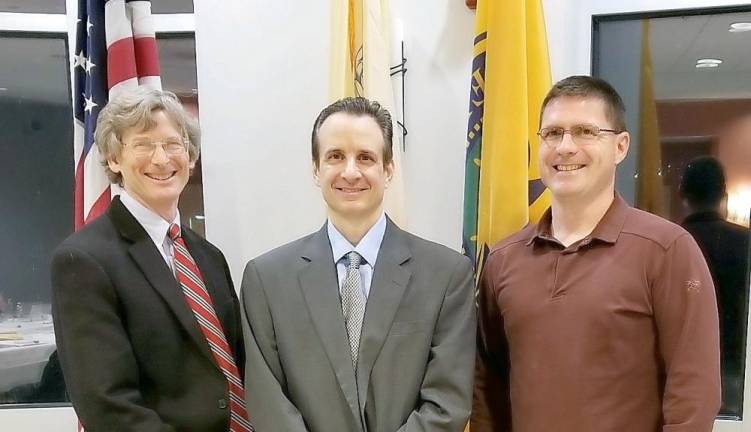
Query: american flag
x=115, y=50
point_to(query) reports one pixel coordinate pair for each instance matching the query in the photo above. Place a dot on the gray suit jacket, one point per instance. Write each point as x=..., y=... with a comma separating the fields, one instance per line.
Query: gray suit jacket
x=417, y=349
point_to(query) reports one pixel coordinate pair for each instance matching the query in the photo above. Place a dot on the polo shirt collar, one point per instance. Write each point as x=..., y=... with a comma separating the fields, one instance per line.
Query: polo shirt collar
x=607, y=230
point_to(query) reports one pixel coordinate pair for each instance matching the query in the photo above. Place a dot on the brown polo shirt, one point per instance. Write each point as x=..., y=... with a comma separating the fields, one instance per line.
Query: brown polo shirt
x=617, y=332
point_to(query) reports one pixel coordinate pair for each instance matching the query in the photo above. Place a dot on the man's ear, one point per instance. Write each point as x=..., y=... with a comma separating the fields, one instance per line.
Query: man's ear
x=114, y=165
x=315, y=174
x=389, y=169
x=623, y=140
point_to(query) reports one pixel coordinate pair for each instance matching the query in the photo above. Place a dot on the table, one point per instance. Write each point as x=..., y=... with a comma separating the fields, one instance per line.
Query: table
x=22, y=361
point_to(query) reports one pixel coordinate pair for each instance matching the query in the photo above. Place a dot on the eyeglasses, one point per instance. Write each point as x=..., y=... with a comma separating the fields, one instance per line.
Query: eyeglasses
x=580, y=134
x=146, y=148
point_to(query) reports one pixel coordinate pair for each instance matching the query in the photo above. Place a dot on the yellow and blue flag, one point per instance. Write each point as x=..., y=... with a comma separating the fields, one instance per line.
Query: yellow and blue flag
x=510, y=78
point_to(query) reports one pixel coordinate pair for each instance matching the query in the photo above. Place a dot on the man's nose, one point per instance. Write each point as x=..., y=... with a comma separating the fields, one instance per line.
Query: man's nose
x=351, y=170
x=567, y=144
x=160, y=155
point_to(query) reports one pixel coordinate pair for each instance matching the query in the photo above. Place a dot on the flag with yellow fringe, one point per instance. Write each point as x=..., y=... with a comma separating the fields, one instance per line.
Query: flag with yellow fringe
x=360, y=66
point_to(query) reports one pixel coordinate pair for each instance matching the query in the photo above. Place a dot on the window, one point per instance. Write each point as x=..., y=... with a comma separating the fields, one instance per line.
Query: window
x=37, y=177
x=36, y=162
x=171, y=6
x=33, y=6
x=684, y=80
x=177, y=59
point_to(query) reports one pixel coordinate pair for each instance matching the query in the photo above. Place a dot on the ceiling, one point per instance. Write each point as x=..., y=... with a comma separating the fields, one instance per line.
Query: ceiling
x=677, y=43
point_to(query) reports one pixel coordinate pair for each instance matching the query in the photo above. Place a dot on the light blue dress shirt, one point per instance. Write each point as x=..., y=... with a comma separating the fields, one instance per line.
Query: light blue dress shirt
x=367, y=248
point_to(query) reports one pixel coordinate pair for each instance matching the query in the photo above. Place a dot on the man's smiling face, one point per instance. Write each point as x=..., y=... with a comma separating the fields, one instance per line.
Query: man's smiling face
x=581, y=172
x=350, y=170
x=156, y=180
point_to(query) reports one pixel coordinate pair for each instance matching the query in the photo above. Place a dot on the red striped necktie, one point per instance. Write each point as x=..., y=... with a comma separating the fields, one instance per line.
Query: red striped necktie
x=200, y=303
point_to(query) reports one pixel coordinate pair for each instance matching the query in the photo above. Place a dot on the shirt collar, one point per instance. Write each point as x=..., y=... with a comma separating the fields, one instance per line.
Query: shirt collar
x=156, y=227
x=367, y=248
x=703, y=216
x=607, y=230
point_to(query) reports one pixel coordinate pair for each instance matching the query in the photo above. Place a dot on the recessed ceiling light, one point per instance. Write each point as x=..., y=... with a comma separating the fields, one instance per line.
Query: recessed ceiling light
x=714, y=61
x=738, y=27
x=706, y=65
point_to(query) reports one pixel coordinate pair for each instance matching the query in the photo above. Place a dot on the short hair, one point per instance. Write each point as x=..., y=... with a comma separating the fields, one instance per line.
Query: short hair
x=703, y=182
x=134, y=109
x=357, y=106
x=586, y=86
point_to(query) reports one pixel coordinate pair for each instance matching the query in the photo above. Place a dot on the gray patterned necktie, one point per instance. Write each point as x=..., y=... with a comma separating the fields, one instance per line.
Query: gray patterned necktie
x=353, y=303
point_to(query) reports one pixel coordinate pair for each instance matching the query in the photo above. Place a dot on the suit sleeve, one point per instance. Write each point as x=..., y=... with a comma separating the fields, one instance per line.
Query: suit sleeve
x=685, y=311
x=446, y=392
x=268, y=406
x=491, y=406
x=236, y=335
x=100, y=369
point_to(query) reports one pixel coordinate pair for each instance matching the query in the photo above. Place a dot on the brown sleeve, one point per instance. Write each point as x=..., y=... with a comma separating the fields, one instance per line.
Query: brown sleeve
x=685, y=311
x=491, y=407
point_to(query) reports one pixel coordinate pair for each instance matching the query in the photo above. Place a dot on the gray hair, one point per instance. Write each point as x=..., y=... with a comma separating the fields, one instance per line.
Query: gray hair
x=134, y=109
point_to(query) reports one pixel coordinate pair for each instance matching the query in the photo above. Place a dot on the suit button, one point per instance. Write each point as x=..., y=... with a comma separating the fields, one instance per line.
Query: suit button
x=222, y=403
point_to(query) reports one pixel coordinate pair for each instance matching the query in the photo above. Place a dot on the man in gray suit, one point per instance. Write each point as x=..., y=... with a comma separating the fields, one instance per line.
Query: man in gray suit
x=359, y=327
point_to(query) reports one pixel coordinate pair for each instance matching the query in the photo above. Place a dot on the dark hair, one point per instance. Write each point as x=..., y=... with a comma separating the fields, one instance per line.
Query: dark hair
x=587, y=86
x=703, y=182
x=357, y=106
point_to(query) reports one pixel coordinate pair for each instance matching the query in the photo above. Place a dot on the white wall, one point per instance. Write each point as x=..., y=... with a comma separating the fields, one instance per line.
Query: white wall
x=262, y=77
x=438, y=40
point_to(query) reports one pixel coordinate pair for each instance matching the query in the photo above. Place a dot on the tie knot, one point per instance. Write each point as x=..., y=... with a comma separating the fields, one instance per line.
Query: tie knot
x=353, y=259
x=174, y=232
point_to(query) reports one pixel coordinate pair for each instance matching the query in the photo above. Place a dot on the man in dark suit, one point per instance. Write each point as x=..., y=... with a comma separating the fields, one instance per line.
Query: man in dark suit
x=725, y=247
x=146, y=318
x=359, y=327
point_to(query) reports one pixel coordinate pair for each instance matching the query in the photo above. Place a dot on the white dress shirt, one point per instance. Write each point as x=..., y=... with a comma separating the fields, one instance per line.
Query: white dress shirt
x=156, y=227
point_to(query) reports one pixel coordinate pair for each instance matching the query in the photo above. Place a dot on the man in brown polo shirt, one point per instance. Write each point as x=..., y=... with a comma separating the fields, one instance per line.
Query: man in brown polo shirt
x=601, y=317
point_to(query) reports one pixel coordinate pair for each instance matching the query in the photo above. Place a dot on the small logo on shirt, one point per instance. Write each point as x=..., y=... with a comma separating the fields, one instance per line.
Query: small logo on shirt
x=693, y=286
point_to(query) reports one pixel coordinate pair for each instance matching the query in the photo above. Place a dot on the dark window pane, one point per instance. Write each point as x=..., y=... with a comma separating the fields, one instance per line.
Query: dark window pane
x=36, y=205
x=690, y=154
x=33, y=6
x=177, y=58
x=172, y=6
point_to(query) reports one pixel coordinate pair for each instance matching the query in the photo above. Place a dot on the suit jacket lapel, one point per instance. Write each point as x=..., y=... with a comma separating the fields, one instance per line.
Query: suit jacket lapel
x=318, y=282
x=390, y=279
x=159, y=275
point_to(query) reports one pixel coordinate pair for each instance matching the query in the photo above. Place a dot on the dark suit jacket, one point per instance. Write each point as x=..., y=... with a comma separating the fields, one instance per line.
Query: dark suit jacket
x=132, y=354
x=417, y=348
x=725, y=247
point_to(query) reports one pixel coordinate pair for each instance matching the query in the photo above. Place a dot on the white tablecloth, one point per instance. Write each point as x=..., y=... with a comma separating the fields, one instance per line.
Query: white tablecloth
x=22, y=361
